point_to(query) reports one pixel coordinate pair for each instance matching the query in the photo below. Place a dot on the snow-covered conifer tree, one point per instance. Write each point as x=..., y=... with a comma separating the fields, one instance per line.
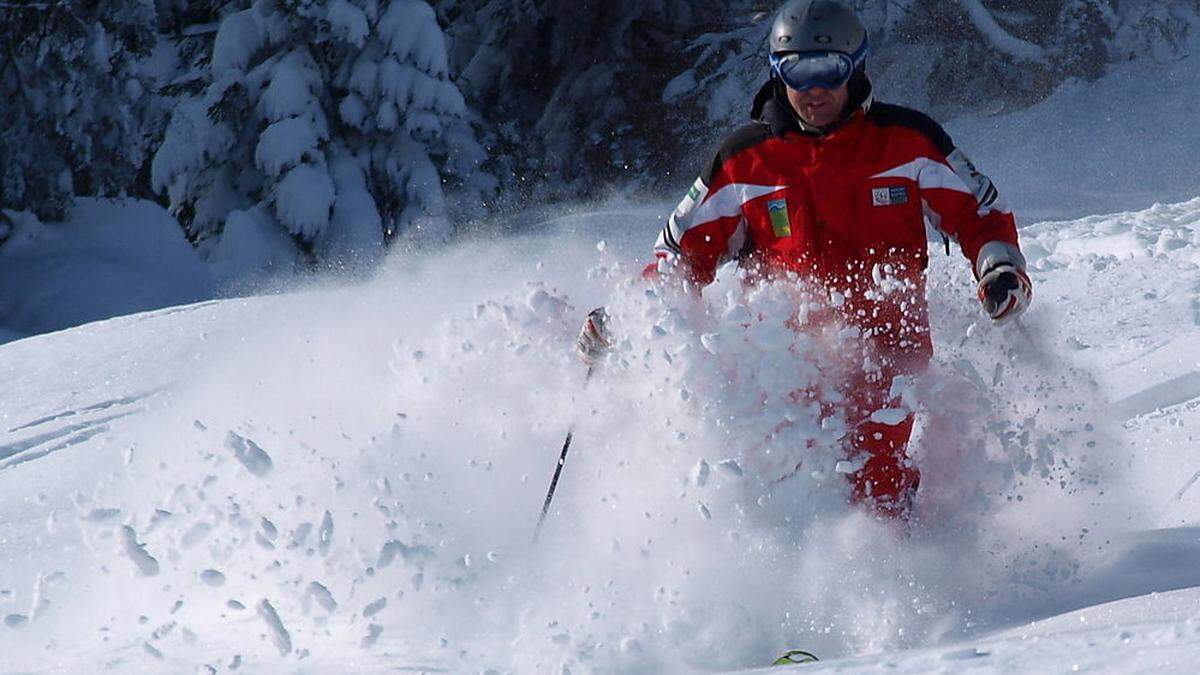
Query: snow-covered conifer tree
x=1084, y=30
x=1161, y=30
x=407, y=123
x=78, y=115
x=333, y=119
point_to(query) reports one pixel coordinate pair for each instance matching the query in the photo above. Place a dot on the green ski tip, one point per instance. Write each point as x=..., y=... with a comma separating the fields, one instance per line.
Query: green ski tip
x=795, y=656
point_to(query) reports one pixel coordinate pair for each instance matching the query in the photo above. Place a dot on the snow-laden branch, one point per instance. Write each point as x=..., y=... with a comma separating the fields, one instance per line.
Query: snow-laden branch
x=999, y=38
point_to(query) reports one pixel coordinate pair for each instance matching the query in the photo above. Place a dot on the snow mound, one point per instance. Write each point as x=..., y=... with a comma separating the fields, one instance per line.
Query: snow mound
x=1046, y=160
x=108, y=258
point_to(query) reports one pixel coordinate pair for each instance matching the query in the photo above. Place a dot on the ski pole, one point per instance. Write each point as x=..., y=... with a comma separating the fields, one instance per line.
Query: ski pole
x=1183, y=490
x=562, y=459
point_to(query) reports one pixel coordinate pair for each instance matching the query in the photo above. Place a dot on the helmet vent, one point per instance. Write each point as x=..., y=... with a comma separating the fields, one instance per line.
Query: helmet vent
x=815, y=25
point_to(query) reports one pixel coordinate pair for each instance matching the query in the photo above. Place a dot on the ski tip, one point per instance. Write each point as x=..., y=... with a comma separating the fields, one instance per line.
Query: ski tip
x=794, y=657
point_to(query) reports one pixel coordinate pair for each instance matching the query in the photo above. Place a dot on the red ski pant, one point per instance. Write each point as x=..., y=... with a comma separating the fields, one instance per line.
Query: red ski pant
x=887, y=480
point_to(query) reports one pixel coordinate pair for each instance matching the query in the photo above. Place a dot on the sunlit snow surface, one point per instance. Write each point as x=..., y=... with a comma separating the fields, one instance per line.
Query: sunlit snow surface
x=348, y=478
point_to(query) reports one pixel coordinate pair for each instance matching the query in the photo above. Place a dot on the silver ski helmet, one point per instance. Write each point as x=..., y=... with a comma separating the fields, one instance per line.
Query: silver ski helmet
x=817, y=26
x=817, y=43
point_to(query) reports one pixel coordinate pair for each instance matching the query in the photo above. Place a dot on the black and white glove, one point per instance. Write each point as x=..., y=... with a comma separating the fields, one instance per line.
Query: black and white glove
x=594, y=338
x=1005, y=292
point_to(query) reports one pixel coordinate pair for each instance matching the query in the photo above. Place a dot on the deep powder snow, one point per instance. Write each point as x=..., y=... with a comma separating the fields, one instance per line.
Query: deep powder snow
x=315, y=479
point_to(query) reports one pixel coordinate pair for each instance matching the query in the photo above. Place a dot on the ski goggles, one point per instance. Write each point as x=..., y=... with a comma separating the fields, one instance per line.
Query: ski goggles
x=828, y=70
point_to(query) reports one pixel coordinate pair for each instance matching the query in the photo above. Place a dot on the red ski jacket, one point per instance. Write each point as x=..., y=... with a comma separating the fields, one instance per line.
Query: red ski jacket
x=846, y=209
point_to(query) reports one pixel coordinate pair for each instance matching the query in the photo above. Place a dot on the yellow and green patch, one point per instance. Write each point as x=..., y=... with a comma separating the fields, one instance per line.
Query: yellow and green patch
x=780, y=222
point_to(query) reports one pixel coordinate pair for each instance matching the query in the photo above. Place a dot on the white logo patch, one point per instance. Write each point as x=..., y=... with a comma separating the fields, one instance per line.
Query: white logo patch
x=887, y=196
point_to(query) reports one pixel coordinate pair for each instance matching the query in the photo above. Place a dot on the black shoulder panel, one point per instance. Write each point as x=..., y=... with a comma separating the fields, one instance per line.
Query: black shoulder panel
x=746, y=137
x=886, y=114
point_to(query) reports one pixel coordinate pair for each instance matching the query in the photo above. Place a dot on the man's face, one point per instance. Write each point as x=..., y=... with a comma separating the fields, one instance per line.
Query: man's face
x=819, y=107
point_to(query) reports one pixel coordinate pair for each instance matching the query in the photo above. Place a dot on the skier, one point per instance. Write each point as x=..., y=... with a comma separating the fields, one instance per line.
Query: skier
x=827, y=186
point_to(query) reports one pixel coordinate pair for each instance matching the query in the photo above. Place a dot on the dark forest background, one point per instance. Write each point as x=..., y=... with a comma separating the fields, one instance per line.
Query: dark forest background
x=351, y=123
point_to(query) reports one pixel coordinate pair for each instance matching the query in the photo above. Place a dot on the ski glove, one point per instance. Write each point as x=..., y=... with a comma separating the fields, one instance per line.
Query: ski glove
x=1005, y=292
x=594, y=338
